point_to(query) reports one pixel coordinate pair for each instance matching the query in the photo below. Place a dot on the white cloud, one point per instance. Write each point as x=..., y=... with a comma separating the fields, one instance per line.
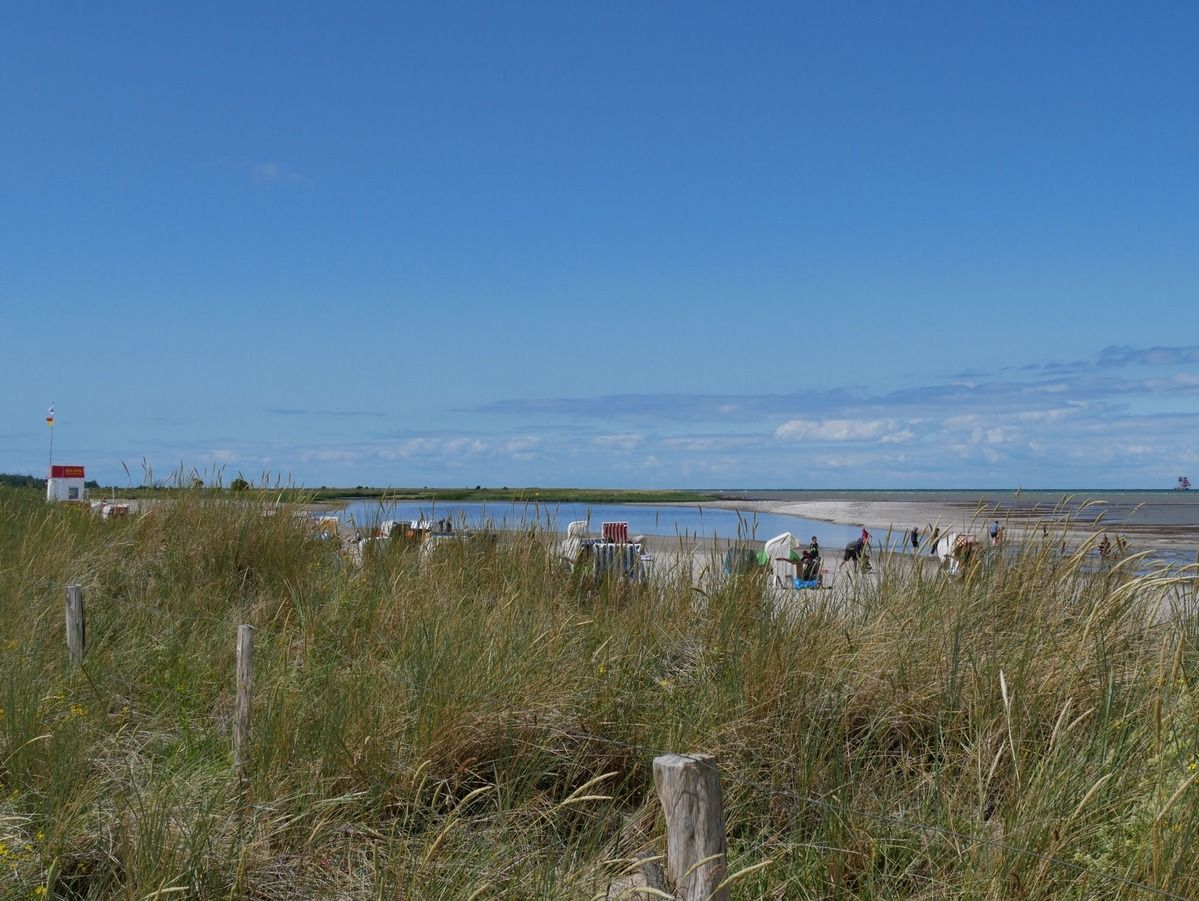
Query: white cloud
x=521, y=444
x=330, y=455
x=464, y=446
x=1001, y=435
x=521, y=447
x=961, y=422
x=1049, y=424
x=709, y=442
x=1048, y=416
x=980, y=430
x=835, y=429
x=627, y=441
x=276, y=173
x=433, y=447
x=411, y=447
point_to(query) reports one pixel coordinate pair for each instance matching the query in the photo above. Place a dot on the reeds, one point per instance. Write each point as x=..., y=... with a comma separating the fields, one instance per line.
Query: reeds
x=481, y=724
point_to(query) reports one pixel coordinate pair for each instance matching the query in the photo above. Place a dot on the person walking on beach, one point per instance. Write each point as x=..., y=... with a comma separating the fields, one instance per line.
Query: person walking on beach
x=932, y=544
x=995, y=532
x=915, y=538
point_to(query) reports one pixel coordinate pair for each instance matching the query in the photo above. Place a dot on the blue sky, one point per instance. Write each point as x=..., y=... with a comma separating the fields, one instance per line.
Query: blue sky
x=619, y=244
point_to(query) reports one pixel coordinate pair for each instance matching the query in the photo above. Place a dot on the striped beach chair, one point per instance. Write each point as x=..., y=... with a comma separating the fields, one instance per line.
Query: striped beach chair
x=616, y=532
x=617, y=560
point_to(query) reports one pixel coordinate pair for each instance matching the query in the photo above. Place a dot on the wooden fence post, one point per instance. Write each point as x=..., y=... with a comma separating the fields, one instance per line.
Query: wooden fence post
x=76, y=625
x=245, y=682
x=689, y=789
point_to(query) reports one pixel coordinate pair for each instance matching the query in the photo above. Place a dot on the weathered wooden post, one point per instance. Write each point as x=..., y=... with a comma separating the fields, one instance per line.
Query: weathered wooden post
x=76, y=625
x=689, y=789
x=245, y=682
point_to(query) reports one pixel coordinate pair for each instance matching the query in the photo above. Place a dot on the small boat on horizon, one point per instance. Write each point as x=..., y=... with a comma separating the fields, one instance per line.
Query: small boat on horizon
x=1184, y=484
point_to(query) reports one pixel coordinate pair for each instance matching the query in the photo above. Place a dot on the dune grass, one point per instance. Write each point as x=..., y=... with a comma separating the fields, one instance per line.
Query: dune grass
x=481, y=724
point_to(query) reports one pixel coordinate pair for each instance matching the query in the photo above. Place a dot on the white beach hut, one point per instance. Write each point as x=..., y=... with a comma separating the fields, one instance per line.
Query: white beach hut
x=66, y=483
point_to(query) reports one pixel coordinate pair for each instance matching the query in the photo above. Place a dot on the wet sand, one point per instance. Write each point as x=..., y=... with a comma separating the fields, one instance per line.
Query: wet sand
x=1166, y=521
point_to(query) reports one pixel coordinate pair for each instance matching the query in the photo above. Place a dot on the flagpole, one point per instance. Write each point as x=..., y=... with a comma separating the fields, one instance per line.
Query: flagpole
x=50, y=422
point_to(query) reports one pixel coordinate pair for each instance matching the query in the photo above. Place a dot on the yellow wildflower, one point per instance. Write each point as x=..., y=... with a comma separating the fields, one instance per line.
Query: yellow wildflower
x=40, y=891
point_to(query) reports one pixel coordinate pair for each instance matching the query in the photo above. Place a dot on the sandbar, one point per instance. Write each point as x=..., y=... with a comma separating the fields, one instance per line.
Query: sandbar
x=1150, y=520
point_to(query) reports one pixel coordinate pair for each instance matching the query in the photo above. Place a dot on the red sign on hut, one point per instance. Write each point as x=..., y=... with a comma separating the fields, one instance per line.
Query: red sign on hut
x=66, y=484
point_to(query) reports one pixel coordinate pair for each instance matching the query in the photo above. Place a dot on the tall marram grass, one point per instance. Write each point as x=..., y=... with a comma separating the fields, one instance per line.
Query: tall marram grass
x=481, y=724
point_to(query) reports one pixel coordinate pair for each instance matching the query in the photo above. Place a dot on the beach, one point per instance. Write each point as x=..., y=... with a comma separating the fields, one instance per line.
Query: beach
x=1164, y=523
x=1149, y=520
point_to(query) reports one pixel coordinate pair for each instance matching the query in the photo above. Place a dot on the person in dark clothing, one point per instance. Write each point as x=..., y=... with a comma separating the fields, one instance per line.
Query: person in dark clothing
x=915, y=539
x=932, y=545
x=853, y=551
x=809, y=567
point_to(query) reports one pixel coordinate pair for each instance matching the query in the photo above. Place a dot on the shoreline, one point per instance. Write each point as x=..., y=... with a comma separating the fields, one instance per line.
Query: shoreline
x=1145, y=525
x=1167, y=521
